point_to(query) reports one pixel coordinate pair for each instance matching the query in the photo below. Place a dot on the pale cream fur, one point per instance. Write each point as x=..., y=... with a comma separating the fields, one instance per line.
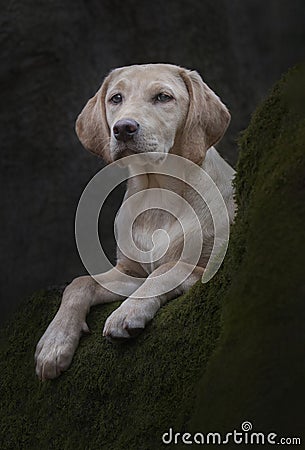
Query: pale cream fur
x=188, y=125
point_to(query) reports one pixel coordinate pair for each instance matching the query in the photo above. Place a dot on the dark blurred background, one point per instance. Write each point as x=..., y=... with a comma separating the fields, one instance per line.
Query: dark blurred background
x=54, y=55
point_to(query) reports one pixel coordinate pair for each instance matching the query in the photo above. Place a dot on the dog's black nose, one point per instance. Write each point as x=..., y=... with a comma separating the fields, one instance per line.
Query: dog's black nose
x=125, y=129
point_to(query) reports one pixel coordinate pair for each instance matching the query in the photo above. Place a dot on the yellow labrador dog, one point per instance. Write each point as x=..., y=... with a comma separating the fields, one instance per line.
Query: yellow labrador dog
x=153, y=108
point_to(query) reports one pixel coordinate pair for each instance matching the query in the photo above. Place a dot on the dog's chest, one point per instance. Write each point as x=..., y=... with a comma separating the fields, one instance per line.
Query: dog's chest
x=155, y=234
x=146, y=229
x=161, y=225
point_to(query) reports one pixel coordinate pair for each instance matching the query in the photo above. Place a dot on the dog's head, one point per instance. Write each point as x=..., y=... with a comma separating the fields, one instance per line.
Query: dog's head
x=152, y=108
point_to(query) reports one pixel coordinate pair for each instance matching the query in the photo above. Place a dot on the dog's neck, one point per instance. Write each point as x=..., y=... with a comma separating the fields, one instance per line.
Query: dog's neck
x=149, y=180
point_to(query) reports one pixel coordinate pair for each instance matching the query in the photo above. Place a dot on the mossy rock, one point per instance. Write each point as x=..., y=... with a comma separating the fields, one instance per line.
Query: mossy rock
x=228, y=351
x=257, y=370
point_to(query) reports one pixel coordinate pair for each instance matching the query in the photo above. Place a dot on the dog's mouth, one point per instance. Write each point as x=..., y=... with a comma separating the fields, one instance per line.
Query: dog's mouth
x=151, y=156
x=120, y=150
x=132, y=147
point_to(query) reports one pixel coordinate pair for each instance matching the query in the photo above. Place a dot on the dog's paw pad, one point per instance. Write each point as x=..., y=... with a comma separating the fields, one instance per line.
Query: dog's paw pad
x=133, y=332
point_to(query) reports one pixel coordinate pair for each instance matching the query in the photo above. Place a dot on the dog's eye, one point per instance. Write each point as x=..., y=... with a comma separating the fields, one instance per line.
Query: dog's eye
x=117, y=98
x=163, y=97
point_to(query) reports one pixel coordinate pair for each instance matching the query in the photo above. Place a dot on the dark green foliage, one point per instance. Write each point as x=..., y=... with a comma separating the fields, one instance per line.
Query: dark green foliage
x=258, y=369
x=236, y=343
x=114, y=396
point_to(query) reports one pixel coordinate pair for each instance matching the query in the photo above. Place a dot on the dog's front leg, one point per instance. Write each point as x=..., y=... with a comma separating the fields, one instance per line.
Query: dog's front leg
x=55, y=350
x=137, y=310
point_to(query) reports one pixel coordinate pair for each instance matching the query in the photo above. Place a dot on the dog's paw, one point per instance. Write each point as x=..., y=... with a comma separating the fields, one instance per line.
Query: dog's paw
x=55, y=350
x=130, y=318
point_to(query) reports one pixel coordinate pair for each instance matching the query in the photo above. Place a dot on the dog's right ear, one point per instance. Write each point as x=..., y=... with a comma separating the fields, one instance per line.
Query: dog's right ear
x=91, y=125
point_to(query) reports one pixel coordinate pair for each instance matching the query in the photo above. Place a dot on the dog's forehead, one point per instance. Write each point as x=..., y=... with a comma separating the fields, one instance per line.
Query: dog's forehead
x=146, y=75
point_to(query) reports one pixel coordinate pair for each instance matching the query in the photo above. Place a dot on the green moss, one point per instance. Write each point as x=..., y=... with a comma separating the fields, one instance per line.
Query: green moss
x=235, y=345
x=257, y=371
x=114, y=396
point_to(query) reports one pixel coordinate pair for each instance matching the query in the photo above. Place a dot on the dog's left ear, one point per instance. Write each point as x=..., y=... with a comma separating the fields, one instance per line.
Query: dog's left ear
x=207, y=119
